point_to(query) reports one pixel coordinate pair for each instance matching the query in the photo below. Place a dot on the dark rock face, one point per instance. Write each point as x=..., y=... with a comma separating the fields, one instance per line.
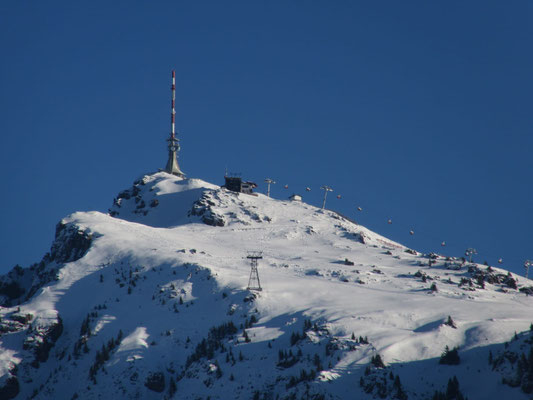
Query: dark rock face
x=49, y=337
x=10, y=389
x=71, y=243
x=11, y=290
x=155, y=381
x=132, y=193
x=23, y=319
x=492, y=277
x=527, y=290
x=203, y=208
x=7, y=325
x=125, y=194
x=14, y=322
x=213, y=219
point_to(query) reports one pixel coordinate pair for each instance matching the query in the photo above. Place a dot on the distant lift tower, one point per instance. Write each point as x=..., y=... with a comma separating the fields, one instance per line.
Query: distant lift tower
x=326, y=190
x=253, y=282
x=269, y=182
x=527, y=264
x=173, y=142
x=469, y=253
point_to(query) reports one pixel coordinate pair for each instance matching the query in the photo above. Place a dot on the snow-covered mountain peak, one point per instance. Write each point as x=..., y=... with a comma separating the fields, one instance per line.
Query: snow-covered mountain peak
x=164, y=200
x=151, y=300
x=159, y=199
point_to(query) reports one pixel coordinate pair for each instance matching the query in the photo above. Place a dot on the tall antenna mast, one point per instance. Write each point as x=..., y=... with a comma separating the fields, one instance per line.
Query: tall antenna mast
x=173, y=108
x=173, y=142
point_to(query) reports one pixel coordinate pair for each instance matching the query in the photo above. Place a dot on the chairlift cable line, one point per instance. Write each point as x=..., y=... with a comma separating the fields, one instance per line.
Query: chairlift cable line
x=451, y=247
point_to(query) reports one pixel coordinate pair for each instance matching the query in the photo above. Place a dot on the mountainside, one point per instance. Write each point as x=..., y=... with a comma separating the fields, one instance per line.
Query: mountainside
x=150, y=301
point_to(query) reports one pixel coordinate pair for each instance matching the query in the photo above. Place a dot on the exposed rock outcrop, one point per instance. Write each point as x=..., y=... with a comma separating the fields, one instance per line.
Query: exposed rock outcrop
x=203, y=208
x=70, y=244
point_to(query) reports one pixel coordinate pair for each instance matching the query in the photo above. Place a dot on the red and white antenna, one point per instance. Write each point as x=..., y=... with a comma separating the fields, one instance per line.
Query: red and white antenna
x=173, y=107
x=173, y=142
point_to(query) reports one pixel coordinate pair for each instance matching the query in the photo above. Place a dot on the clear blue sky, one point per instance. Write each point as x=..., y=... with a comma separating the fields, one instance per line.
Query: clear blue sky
x=419, y=111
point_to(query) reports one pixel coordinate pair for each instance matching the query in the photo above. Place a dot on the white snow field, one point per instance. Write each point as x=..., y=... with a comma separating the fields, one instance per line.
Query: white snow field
x=170, y=264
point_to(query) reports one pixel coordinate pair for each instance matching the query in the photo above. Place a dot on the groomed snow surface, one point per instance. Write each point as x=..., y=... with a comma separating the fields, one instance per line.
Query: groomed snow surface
x=157, y=278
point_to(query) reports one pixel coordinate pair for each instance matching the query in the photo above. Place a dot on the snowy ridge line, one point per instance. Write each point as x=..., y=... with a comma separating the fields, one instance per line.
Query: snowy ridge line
x=158, y=308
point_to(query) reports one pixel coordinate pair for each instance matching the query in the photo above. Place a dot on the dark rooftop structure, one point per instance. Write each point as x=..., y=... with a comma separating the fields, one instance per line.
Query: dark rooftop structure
x=236, y=184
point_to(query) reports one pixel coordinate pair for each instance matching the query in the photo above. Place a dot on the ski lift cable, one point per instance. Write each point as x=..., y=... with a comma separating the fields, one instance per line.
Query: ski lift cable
x=456, y=249
x=451, y=248
x=440, y=244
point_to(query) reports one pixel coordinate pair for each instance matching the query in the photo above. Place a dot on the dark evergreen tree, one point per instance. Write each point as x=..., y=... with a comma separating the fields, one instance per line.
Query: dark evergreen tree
x=450, y=357
x=400, y=393
x=377, y=361
x=172, y=388
x=317, y=362
x=452, y=391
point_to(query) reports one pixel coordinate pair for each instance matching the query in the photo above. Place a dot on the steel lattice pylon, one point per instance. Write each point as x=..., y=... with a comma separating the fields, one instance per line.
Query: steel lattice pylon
x=253, y=282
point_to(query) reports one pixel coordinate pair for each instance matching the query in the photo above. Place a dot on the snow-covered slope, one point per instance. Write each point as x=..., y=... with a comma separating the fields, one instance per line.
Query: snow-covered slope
x=150, y=301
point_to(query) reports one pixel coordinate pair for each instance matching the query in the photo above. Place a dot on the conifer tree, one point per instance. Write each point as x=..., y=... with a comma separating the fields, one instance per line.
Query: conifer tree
x=450, y=357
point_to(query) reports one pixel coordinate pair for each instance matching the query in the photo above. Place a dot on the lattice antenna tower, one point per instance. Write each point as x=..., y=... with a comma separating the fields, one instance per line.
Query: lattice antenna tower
x=253, y=282
x=172, y=166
